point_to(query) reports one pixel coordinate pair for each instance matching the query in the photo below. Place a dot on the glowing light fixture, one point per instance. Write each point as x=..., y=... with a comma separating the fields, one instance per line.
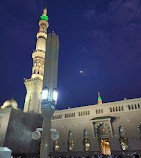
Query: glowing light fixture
x=44, y=94
x=99, y=98
x=55, y=95
x=44, y=17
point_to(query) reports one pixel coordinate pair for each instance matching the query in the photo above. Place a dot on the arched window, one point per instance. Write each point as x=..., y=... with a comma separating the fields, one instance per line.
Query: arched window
x=116, y=108
x=99, y=111
x=111, y=110
x=56, y=146
x=124, y=143
x=83, y=113
x=86, y=133
x=88, y=112
x=39, y=71
x=70, y=141
x=122, y=131
x=122, y=108
x=87, y=145
x=86, y=140
x=123, y=139
x=129, y=107
x=135, y=106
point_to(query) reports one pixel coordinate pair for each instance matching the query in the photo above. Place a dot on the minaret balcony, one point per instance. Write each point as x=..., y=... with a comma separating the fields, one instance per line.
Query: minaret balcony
x=41, y=34
x=38, y=53
x=33, y=83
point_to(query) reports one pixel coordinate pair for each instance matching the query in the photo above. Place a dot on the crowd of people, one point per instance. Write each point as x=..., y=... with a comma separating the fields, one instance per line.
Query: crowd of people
x=94, y=156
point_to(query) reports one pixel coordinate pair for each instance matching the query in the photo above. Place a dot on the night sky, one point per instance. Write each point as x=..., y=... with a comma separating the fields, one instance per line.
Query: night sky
x=101, y=38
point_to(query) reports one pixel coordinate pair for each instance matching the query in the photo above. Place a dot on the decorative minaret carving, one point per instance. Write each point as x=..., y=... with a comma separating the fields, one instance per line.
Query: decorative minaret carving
x=99, y=98
x=34, y=84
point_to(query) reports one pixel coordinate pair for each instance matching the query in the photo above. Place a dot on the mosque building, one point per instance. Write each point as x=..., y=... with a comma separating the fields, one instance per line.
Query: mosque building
x=107, y=128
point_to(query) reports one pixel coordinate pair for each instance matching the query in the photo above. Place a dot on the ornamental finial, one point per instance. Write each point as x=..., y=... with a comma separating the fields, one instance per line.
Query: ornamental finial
x=98, y=94
x=44, y=15
x=45, y=11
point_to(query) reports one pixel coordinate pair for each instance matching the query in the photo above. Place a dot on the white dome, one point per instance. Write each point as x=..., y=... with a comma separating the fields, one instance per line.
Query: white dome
x=9, y=103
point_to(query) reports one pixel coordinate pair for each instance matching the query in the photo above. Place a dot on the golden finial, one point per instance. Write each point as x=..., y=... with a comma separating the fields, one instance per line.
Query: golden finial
x=45, y=12
x=98, y=94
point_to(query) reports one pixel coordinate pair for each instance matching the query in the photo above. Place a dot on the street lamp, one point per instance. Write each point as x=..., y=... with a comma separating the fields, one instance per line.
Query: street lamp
x=44, y=94
x=55, y=95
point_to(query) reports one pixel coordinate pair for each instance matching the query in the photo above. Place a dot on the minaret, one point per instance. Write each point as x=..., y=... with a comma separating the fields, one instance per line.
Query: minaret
x=99, y=98
x=34, y=84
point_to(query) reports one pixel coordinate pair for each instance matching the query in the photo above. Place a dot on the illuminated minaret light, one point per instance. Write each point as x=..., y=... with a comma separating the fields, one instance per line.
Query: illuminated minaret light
x=34, y=84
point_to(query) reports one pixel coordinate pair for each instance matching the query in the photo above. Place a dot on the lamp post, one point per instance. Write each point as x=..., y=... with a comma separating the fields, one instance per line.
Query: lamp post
x=49, y=93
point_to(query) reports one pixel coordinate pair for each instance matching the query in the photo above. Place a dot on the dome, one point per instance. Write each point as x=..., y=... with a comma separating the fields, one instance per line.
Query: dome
x=10, y=103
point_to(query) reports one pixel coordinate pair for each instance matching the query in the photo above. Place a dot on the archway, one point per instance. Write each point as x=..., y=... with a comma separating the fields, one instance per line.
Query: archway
x=104, y=140
x=105, y=146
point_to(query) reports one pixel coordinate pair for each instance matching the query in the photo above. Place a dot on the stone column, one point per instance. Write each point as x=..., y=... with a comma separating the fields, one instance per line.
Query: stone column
x=46, y=134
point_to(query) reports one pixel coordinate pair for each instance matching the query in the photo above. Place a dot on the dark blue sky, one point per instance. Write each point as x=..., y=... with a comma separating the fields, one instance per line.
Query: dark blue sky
x=100, y=37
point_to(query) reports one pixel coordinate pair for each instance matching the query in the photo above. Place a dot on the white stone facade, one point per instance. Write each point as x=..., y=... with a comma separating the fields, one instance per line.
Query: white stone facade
x=77, y=120
x=112, y=116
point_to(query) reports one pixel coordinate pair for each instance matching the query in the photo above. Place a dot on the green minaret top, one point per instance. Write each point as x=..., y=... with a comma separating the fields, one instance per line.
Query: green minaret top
x=99, y=98
x=44, y=15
